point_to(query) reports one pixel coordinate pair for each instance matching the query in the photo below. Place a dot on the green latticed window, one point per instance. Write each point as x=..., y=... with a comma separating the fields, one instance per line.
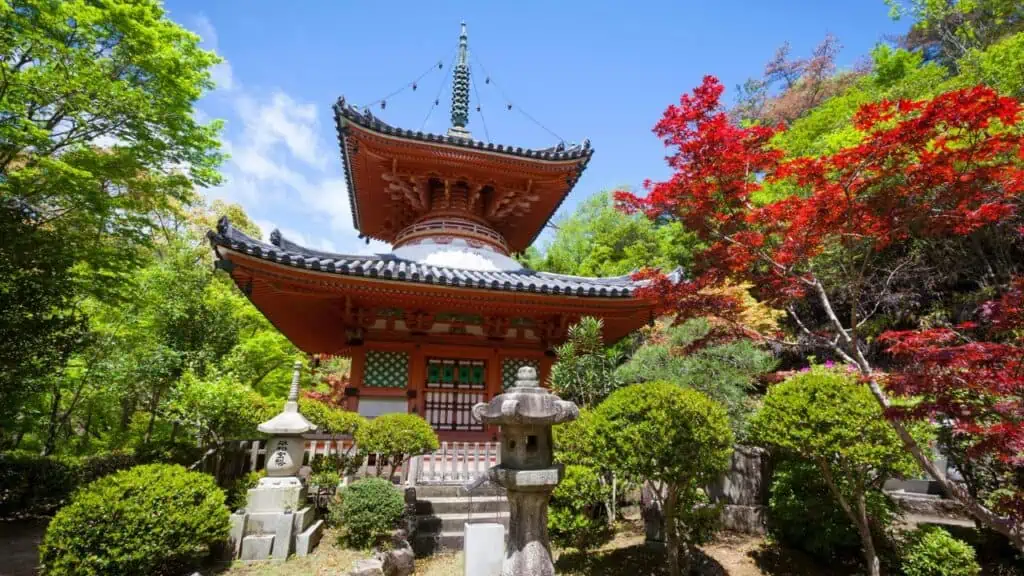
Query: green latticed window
x=456, y=373
x=510, y=366
x=386, y=369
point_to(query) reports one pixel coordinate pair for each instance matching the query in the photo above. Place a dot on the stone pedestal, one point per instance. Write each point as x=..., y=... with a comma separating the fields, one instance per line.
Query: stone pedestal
x=276, y=495
x=528, y=550
x=527, y=470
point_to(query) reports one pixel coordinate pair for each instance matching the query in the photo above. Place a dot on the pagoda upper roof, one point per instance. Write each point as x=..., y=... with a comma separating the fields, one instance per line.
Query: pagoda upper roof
x=552, y=172
x=390, y=267
x=365, y=118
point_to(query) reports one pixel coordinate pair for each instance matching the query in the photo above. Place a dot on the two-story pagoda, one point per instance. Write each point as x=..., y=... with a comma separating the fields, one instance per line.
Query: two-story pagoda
x=446, y=319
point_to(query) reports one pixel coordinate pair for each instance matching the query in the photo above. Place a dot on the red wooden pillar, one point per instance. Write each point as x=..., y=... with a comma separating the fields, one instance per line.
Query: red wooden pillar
x=358, y=373
x=417, y=379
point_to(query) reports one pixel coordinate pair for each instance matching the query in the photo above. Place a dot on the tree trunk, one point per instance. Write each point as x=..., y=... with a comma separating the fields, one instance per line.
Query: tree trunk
x=953, y=490
x=51, y=426
x=127, y=409
x=1006, y=526
x=85, y=428
x=859, y=517
x=671, y=534
x=867, y=542
x=152, y=415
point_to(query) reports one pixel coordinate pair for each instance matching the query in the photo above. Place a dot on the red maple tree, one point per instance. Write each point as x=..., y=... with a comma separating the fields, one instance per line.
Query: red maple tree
x=972, y=378
x=942, y=167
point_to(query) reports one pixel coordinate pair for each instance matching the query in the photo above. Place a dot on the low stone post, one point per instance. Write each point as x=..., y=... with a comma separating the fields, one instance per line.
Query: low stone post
x=526, y=413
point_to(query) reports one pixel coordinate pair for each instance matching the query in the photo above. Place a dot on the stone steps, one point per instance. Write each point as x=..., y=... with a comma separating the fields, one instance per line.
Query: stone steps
x=443, y=511
x=454, y=522
x=474, y=506
x=430, y=491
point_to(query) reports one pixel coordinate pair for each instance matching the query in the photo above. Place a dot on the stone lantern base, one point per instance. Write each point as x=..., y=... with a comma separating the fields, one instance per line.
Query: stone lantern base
x=273, y=525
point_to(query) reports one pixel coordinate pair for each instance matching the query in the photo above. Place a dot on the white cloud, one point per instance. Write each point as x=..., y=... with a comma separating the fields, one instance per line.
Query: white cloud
x=222, y=74
x=279, y=169
x=284, y=121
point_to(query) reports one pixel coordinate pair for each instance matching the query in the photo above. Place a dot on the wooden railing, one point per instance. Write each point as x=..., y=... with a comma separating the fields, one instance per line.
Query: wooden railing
x=453, y=463
x=452, y=226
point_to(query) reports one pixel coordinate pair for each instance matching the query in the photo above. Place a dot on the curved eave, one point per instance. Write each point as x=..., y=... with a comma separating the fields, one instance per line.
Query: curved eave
x=398, y=273
x=573, y=158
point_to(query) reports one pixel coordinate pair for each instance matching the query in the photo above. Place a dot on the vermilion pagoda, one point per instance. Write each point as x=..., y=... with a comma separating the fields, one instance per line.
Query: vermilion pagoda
x=447, y=318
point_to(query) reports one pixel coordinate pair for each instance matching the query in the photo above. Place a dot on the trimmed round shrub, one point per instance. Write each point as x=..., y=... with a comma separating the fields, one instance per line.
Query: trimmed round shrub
x=576, y=517
x=661, y=433
x=330, y=419
x=931, y=551
x=152, y=519
x=396, y=437
x=368, y=510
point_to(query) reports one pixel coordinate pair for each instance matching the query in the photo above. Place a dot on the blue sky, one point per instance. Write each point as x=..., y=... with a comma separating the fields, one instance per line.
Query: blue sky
x=602, y=70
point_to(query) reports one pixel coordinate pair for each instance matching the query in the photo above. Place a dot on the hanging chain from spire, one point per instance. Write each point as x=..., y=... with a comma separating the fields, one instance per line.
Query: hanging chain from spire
x=414, y=85
x=437, y=97
x=508, y=101
x=479, y=108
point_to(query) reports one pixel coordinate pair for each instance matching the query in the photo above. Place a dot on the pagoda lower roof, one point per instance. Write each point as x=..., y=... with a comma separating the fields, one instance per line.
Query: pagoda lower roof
x=390, y=267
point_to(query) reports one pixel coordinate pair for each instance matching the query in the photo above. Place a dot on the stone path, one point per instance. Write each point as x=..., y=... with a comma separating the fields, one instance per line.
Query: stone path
x=19, y=543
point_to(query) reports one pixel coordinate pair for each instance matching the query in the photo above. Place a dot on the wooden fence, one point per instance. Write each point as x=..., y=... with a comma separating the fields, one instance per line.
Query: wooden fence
x=453, y=463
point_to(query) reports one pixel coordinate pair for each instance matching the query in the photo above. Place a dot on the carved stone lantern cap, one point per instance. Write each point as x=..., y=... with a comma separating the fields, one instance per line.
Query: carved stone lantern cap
x=526, y=403
x=289, y=421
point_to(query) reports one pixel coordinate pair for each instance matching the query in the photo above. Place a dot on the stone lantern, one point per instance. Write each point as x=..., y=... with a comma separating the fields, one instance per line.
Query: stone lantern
x=276, y=520
x=526, y=413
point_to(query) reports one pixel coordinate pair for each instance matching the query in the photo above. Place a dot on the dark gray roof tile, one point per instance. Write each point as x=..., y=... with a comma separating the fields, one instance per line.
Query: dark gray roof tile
x=391, y=267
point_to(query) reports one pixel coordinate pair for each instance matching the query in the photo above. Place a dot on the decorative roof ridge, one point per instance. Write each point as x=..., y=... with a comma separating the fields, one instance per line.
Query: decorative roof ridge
x=392, y=268
x=230, y=237
x=227, y=234
x=344, y=111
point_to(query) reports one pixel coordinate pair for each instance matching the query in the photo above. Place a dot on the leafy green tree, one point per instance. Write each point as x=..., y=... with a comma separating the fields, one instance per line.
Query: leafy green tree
x=98, y=143
x=678, y=440
x=39, y=327
x=598, y=240
x=396, y=438
x=585, y=370
x=804, y=515
x=828, y=418
x=726, y=371
x=219, y=408
x=952, y=28
x=97, y=131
